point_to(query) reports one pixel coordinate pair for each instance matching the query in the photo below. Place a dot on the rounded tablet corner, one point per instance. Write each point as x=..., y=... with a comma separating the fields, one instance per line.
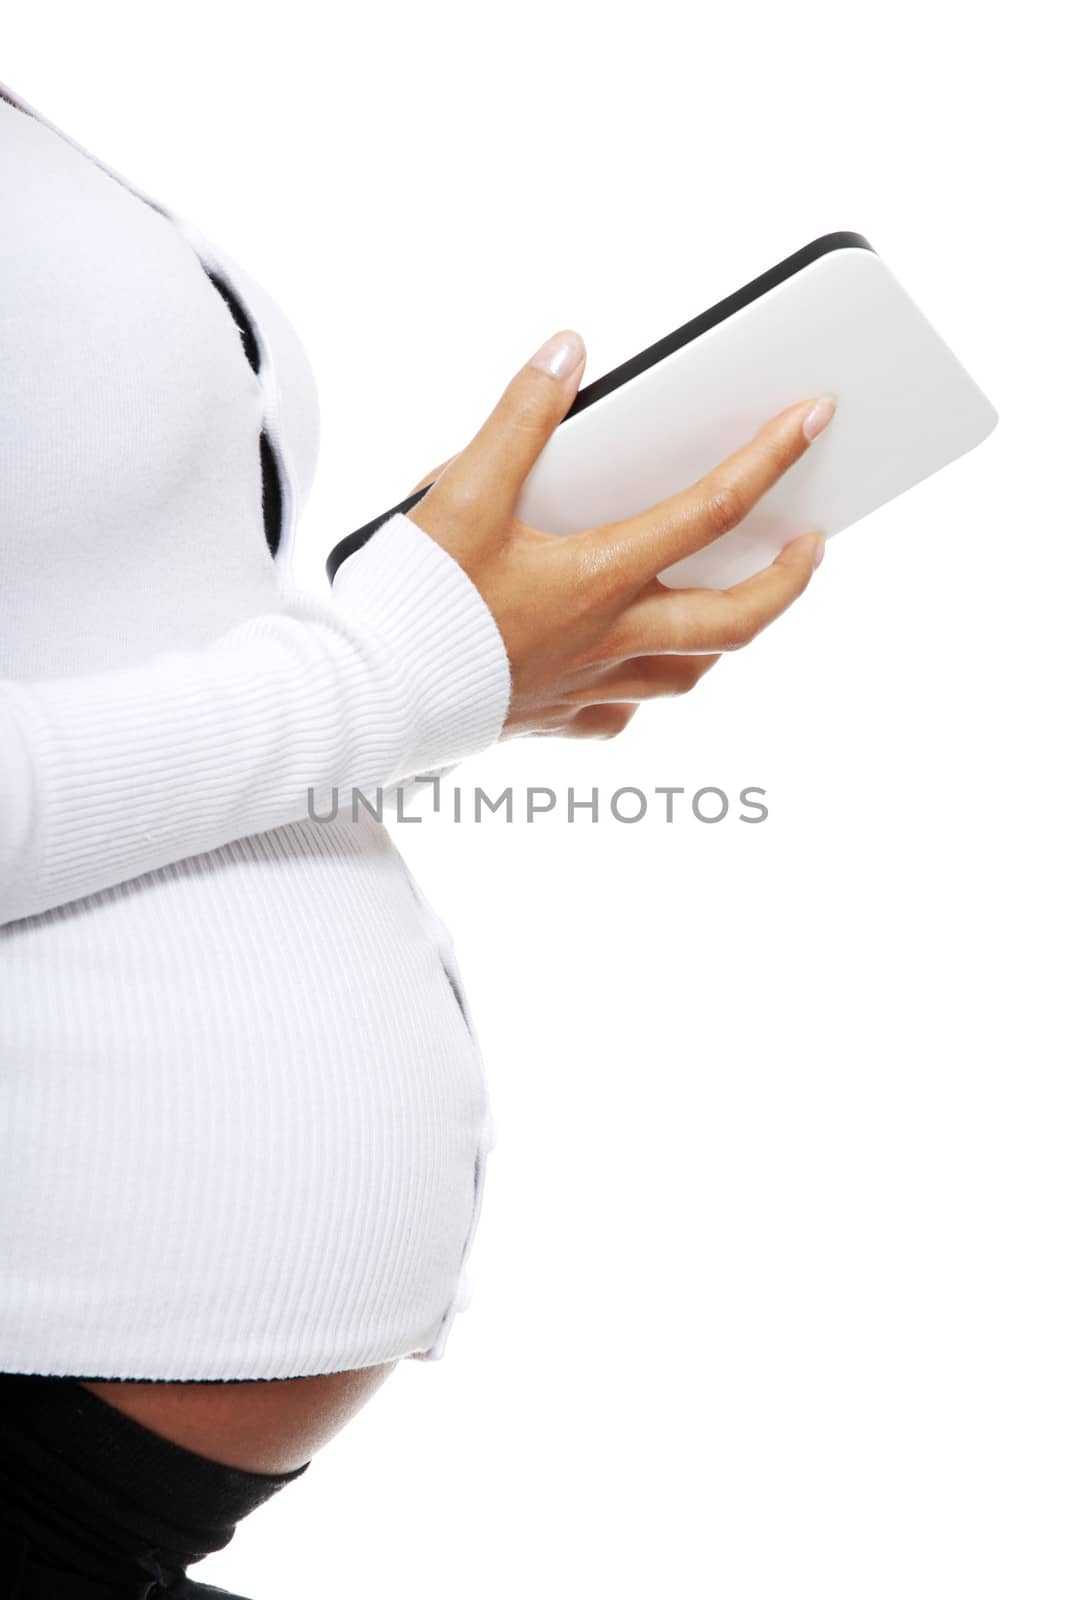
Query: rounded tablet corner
x=988, y=417
x=347, y=547
x=841, y=239
x=994, y=418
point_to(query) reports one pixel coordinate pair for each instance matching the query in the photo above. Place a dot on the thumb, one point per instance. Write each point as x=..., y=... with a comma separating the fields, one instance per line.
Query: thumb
x=493, y=467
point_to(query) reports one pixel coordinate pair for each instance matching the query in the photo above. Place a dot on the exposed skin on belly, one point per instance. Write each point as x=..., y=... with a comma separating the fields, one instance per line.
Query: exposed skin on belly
x=259, y=1425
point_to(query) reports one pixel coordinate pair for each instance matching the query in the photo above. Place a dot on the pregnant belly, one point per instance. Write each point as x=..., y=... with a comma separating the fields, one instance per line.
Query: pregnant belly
x=258, y=1426
x=242, y=1134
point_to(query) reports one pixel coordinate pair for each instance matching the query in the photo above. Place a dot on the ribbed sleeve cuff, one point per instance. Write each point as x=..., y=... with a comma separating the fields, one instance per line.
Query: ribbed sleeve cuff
x=438, y=634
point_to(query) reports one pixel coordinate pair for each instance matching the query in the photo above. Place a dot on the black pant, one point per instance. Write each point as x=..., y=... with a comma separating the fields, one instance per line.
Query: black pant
x=95, y=1506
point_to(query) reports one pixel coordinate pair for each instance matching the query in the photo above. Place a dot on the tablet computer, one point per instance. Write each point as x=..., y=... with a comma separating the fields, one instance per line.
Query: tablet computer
x=831, y=318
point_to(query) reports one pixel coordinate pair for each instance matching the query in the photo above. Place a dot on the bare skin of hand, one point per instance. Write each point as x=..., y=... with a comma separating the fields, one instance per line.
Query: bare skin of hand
x=589, y=629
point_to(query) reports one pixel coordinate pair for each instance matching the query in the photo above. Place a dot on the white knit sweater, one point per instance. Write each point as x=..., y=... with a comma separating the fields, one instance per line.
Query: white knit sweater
x=243, y=1120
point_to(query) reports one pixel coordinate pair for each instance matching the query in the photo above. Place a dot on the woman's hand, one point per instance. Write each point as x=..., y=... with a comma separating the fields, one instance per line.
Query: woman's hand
x=589, y=629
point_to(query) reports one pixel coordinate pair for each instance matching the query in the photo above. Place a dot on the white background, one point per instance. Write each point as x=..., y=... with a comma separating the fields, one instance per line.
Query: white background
x=769, y=1284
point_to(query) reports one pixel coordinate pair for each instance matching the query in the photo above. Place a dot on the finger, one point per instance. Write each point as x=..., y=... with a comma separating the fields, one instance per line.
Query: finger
x=490, y=472
x=430, y=476
x=678, y=526
x=601, y=721
x=645, y=678
x=689, y=621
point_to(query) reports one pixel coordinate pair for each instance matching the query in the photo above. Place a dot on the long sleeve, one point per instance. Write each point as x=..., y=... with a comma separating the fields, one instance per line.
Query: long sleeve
x=112, y=774
x=244, y=1119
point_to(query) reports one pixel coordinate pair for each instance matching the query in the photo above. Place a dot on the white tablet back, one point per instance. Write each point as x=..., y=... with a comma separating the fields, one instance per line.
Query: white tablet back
x=830, y=319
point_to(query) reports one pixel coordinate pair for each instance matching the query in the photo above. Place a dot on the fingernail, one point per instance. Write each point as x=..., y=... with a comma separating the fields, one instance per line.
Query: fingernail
x=560, y=354
x=820, y=551
x=819, y=415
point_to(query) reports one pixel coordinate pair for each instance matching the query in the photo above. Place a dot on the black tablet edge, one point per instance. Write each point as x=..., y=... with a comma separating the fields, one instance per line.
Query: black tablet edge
x=717, y=313
x=646, y=358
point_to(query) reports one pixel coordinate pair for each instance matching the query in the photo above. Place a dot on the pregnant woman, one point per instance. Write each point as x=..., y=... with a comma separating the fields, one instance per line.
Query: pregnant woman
x=244, y=1119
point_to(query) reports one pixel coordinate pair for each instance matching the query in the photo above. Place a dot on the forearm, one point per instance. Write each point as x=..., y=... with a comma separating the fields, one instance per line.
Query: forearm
x=401, y=671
